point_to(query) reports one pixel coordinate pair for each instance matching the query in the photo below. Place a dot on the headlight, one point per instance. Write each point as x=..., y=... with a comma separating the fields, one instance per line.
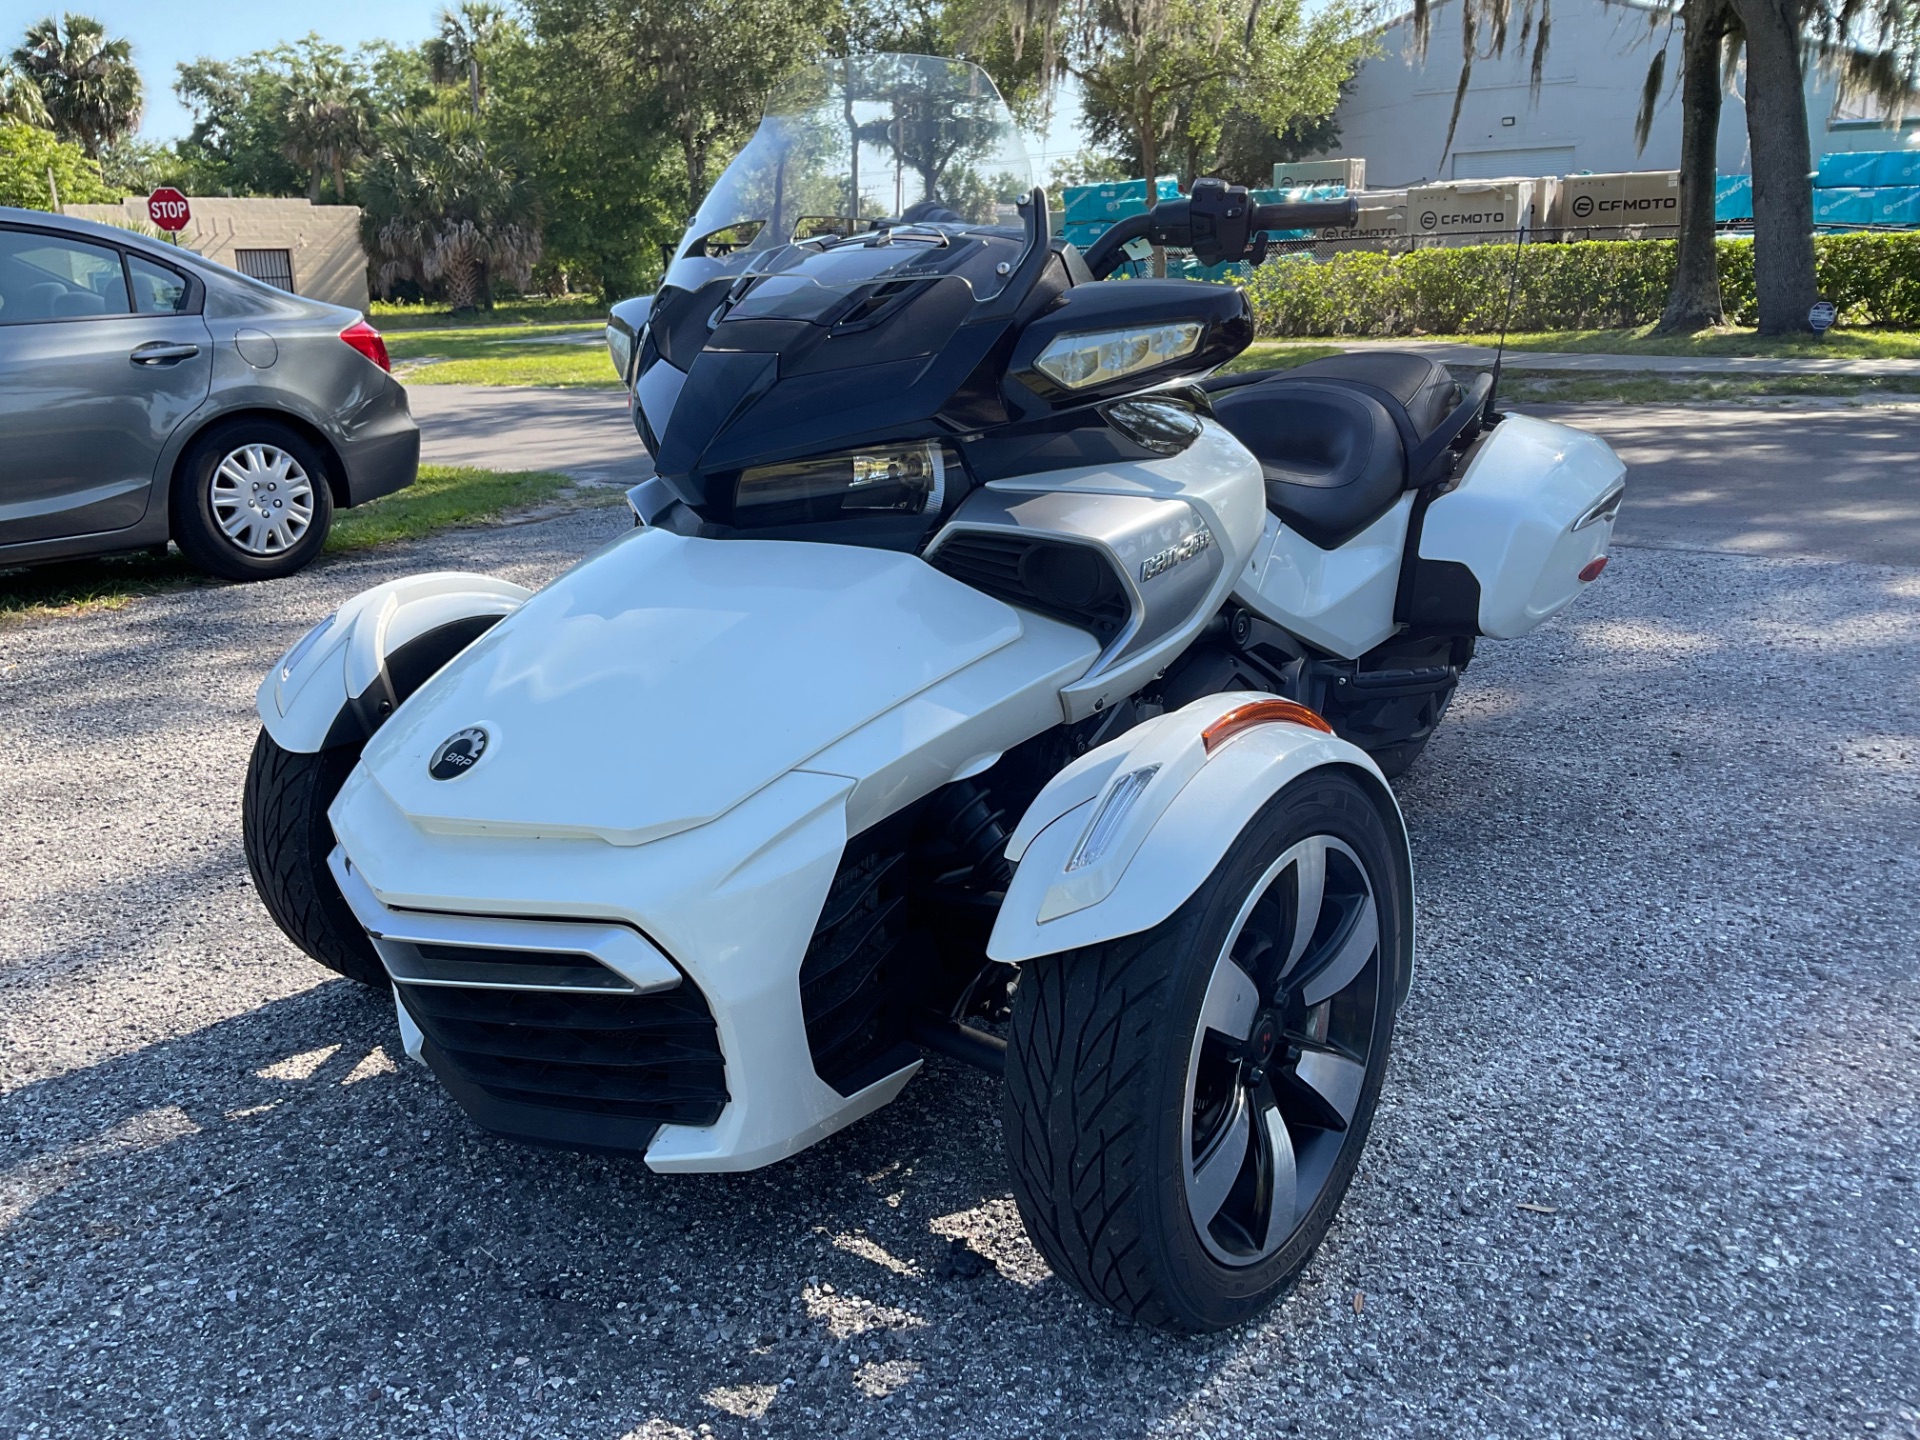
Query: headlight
x=1077, y=361
x=873, y=480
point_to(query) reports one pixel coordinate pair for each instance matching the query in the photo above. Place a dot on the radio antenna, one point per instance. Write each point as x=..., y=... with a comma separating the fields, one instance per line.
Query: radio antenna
x=1489, y=415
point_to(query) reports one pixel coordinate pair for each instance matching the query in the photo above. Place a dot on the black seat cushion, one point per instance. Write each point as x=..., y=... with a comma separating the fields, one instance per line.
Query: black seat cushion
x=1331, y=454
x=1423, y=389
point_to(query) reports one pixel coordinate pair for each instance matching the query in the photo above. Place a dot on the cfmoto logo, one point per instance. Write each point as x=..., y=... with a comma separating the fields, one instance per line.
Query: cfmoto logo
x=1583, y=205
x=458, y=754
x=1428, y=220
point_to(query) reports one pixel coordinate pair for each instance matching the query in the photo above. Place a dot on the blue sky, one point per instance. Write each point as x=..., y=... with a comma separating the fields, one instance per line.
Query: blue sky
x=166, y=32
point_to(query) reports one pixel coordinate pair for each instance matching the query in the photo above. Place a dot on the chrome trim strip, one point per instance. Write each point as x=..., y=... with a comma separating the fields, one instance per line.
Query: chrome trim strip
x=1605, y=508
x=622, y=950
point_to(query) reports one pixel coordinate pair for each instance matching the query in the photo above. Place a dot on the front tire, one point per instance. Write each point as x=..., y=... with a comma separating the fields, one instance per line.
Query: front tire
x=251, y=501
x=1185, y=1107
x=288, y=839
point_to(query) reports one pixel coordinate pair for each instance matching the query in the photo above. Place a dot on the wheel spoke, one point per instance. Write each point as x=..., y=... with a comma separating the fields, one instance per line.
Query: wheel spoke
x=1283, y=1181
x=1232, y=1001
x=1345, y=955
x=1310, y=883
x=262, y=499
x=1322, y=1091
x=1210, y=1178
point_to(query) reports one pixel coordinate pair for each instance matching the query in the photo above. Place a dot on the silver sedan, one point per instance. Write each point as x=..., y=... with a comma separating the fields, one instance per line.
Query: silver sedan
x=147, y=395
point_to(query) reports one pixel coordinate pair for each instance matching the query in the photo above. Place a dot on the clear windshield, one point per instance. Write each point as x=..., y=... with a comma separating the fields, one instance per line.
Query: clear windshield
x=910, y=138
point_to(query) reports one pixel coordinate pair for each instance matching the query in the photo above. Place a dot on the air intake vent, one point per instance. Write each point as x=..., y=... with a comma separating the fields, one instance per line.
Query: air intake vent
x=1070, y=582
x=600, y=1070
x=849, y=985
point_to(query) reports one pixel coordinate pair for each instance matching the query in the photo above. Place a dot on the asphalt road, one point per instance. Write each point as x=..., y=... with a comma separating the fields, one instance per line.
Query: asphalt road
x=1668, y=889
x=583, y=433
x=1834, y=483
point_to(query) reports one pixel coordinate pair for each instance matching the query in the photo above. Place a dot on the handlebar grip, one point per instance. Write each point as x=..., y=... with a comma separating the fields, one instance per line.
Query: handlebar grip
x=1308, y=215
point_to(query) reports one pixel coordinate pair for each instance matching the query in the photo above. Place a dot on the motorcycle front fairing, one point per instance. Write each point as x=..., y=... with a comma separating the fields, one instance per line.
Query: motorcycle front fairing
x=645, y=763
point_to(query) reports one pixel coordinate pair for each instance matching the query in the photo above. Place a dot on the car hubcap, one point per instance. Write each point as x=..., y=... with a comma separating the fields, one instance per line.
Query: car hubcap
x=262, y=499
x=1280, y=1054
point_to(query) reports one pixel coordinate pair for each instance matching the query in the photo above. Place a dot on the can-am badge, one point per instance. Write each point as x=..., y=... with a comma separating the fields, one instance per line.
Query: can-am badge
x=458, y=753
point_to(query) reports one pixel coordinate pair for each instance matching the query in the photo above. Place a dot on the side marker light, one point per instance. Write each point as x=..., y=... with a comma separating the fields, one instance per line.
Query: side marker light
x=1260, y=712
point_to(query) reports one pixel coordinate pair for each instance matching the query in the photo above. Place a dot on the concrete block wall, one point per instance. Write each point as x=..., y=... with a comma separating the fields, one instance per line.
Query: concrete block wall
x=323, y=241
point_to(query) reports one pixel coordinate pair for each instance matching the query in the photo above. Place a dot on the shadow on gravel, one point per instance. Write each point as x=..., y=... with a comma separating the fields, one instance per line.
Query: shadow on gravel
x=269, y=1223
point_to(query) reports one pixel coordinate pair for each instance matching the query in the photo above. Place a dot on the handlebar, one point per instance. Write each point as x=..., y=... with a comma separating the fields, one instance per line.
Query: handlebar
x=1308, y=215
x=1217, y=222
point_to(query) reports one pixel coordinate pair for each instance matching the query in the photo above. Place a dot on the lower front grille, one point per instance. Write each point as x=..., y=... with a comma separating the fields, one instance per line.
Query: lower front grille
x=639, y=1057
x=572, y=1032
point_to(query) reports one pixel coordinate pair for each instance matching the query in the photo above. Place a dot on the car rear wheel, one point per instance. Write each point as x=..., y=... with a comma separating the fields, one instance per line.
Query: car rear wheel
x=251, y=501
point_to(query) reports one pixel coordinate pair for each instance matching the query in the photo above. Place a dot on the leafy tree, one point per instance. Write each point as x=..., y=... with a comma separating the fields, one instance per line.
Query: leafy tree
x=468, y=38
x=443, y=210
x=1093, y=165
x=1168, y=74
x=605, y=175
x=91, y=91
x=707, y=65
x=240, y=131
x=20, y=100
x=1874, y=45
x=329, y=121
x=28, y=153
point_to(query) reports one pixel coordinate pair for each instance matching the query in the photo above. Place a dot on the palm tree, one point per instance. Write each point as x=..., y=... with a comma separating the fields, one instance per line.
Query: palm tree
x=91, y=91
x=20, y=100
x=329, y=123
x=461, y=48
x=443, y=211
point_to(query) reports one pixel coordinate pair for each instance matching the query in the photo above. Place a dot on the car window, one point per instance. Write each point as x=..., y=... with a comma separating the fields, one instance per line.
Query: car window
x=156, y=289
x=50, y=277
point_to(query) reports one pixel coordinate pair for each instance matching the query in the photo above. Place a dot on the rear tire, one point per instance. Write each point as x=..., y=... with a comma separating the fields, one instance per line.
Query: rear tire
x=1125, y=1096
x=251, y=501
x=288, y=839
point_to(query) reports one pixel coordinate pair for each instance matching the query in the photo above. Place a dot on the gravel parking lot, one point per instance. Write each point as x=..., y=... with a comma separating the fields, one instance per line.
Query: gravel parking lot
x=1645, y=1165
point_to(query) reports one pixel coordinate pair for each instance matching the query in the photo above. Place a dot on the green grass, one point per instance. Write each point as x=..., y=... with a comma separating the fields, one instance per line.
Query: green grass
x=500, y=355
x=536, y=311
x=442, y=497
x=1278, y=355
x=1838, y=344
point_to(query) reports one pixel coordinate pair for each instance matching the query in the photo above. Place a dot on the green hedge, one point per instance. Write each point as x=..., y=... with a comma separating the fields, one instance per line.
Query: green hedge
x=1874, y=279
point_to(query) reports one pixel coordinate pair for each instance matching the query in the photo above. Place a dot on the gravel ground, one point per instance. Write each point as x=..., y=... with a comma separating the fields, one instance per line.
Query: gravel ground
x=1645, y=1163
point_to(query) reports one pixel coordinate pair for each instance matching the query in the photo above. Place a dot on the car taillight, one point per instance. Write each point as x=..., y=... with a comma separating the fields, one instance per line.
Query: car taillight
x=364, y=338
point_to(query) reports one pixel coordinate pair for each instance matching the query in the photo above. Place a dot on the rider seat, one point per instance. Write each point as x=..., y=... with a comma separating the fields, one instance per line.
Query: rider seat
x=1333, y=436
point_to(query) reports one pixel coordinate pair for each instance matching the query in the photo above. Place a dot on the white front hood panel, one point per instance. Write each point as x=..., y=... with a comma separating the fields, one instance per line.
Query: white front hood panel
x=663, y=681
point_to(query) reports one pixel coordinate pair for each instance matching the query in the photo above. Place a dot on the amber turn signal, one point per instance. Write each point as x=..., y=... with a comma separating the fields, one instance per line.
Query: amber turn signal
x=1260, y=712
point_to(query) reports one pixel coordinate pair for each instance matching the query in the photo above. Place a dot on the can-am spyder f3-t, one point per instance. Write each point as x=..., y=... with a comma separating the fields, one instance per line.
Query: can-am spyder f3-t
x=980, y=678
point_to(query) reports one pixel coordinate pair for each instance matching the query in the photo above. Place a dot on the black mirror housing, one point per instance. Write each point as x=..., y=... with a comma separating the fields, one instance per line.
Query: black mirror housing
x=1222, y=312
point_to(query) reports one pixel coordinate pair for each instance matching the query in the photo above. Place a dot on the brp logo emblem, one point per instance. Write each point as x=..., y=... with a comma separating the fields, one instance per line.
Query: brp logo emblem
x=458, y=754
x=1583, y=205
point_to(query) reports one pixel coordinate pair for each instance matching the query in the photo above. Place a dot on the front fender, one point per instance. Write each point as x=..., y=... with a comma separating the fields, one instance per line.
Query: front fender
x=341, y=680
x=1180, y=822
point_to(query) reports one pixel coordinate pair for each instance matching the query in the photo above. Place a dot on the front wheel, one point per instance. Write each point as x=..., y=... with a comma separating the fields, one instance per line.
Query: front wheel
x=287, y=838
x=1185, y=1108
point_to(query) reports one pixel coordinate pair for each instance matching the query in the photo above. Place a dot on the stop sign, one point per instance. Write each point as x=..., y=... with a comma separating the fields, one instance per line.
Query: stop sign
x=167, y=208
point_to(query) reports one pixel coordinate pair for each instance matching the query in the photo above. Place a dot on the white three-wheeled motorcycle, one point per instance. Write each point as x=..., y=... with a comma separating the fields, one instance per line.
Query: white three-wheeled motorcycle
x=984, y=676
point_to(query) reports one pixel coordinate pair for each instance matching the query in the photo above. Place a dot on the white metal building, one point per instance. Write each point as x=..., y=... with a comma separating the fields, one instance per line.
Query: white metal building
x=1396, y=112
